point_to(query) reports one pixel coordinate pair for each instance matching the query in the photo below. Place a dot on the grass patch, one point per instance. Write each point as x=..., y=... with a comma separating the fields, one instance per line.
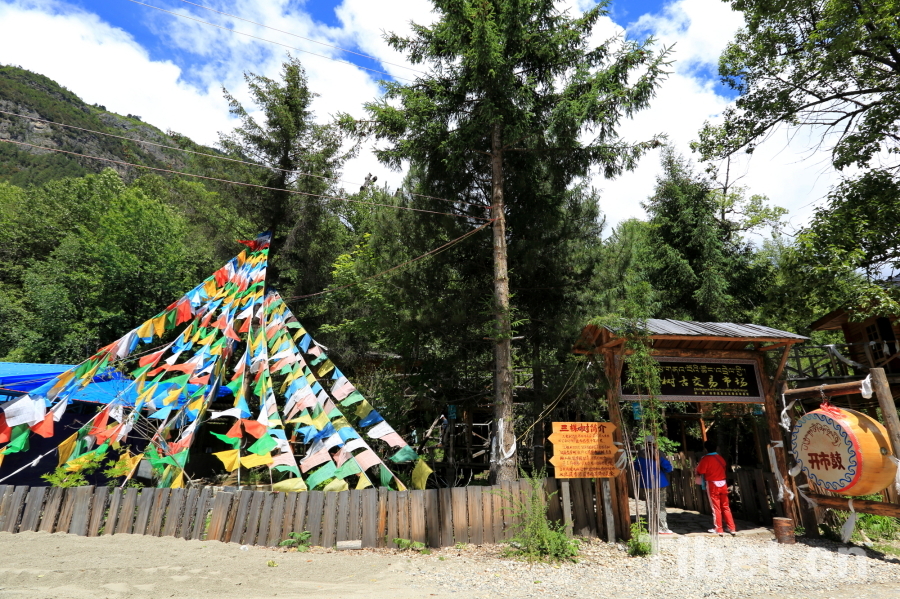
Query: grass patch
x=538, y=539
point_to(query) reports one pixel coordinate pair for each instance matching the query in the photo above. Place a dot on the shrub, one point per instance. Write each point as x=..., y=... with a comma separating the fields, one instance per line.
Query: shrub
x=297, y=540
x=538, y=539
x=639, y=544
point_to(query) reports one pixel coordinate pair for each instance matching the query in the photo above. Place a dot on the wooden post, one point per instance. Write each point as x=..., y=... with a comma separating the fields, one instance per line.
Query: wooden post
x=607, y=510
x=619, y=486
x=566, y=506
x=772, y=417
x=888, y=407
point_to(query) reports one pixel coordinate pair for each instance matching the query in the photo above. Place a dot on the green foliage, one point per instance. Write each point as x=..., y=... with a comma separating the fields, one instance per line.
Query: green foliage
x=297, y=540
x=537, y=538
x=62, y=478
x=407, y=545
x=639, y=544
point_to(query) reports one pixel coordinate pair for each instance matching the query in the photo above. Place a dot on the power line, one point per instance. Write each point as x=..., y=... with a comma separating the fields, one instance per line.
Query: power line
x=435, y=251
x=303, y=38
x=268, y=40
x=292, y=191
x=159, y=145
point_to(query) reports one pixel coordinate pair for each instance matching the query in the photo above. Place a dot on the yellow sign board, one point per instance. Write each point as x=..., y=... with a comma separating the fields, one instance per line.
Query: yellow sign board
x=584, y=450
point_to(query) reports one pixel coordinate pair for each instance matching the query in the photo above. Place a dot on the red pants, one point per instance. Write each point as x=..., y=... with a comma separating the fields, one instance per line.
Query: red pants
x=718, y=501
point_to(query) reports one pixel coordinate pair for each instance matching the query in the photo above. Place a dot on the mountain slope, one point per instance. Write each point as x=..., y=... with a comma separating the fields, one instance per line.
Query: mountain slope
x=31, y=94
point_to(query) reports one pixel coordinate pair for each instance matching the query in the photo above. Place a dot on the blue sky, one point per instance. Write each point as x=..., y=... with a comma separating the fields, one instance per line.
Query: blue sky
x=133, y=59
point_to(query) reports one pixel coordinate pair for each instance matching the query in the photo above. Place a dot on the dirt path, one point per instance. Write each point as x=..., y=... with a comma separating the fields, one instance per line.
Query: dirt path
x=60, y=566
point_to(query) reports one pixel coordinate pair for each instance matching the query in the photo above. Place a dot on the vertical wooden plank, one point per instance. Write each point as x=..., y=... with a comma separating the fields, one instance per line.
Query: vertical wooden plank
x=219, y=516
x=580, y=527
x=460, y=515
x=262, y=535
x=432, y=518
x=125, y=522
x=762, y=496
x=554, y=505
x=487, y=515
x=567, y=506
x=198, y=528
x=81, y=511
x=392, y=516
x=403, y=514
x=112, y=514
x=476, y=528
x=609, y=518
x=343, y=515
x=5, y=499
x=598, y=507
x=51, y=510
x=32, y=514
x=354, y=510
x=158, y=512
x=591, y=506
x=300, y=524
x=144, y=504
x=329, y=519
x=253, y=515
x=14, y=509
x=173, y=512
x=287, y=521
x=239, y=525
x=497, y=501
x=187, y=515
x=65, y=514
x=445, y=498
x=382, y=526
x=98, y=511
x=275, y=521
x=314, y=512
x=369, y=528
x=417, y=516
x=509, y=508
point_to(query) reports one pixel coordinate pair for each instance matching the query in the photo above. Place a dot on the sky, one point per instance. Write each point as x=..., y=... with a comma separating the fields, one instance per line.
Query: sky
x=169, y=70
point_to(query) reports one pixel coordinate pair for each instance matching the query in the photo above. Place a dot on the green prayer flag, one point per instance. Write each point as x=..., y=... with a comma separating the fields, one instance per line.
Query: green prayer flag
x=19, y=440
x=235, y=385
x=386, y=476
x=285, y=468
x=347, y=468
x=353, y=398
x=180, y=380
x=234, y=442
x=263, y=445
x=405, y=454
x=321, y=475
x=335, y=413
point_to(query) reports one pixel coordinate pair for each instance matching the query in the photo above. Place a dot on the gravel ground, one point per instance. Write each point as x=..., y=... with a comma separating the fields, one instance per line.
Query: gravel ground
x=60, y=566
x=688, y=567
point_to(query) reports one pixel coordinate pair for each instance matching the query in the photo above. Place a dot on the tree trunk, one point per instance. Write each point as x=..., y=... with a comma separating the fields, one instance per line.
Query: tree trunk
x=503, y=451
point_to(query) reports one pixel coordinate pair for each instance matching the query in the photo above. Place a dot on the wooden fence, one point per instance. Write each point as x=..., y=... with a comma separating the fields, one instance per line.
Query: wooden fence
x=436, y=517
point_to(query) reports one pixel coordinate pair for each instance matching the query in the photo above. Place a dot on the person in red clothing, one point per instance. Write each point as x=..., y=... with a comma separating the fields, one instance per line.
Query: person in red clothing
x=712, y=468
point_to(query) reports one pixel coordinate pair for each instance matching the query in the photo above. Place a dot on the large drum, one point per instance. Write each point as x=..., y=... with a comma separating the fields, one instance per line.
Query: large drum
x=843, y=451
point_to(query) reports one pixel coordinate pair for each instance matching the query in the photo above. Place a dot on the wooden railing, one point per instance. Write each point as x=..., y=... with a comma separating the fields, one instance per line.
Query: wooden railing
x=824, y=362
x=753, y=497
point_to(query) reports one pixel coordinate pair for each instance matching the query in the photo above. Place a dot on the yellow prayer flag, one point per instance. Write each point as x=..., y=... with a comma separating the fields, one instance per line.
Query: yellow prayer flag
x=178, y=483
x=304, y=418
x=78, y=463
x=420, y=475
x=253, y=460
x=364, y=482
x=363, y=409
x=159, y=325
x=311, y=378
x=65, y=449
x=325, y=368
x=146, y=329
x=61, y=382
x=337, y=484
x=196, y=404
x=230, y=458
x=291, y=485
x=172, y=396
x=339, y=423
x=320, y=421
x=209, y=286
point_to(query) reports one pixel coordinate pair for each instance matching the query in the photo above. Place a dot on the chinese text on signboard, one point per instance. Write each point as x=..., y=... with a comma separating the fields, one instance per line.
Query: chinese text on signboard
x=584, y=450
x=701, y=379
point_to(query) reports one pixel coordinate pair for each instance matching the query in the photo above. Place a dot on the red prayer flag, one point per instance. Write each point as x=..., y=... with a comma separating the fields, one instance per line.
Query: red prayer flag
x=221, y=277
x=44, y=428
x=5, y=431
x=100, y=422
x=229, y=332
x=246, y=326
x=199, y=380
x=254, y=427
x=109, y=433
x=152, y=358
x=184, y=312
x=235, y=431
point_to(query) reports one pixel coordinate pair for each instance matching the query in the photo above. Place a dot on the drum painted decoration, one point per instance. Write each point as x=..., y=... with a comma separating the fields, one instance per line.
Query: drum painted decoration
x=843, y=451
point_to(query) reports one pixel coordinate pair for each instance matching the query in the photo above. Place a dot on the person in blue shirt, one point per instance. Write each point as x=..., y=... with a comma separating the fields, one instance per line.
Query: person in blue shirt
x=653, y=475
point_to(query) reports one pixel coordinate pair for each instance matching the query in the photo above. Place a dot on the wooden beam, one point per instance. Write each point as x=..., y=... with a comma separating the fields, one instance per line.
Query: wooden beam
x=879, y=508
x=888, y=407
x=618, y=486
x=775, y=434
x=774, y=346
x=725, y=339
x=828, y=390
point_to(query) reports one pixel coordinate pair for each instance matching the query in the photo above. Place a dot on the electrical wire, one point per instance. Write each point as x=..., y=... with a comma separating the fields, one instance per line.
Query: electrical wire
x=270, y=41
x=225, y=158
x=304, y=38
x=291, y=191
x=435, y=251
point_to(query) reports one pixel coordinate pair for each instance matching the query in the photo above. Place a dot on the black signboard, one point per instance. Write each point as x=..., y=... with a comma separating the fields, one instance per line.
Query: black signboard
x=703, y=379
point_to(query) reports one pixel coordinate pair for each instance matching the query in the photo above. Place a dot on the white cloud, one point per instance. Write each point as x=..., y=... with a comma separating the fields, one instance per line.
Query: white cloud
x=106, y=65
